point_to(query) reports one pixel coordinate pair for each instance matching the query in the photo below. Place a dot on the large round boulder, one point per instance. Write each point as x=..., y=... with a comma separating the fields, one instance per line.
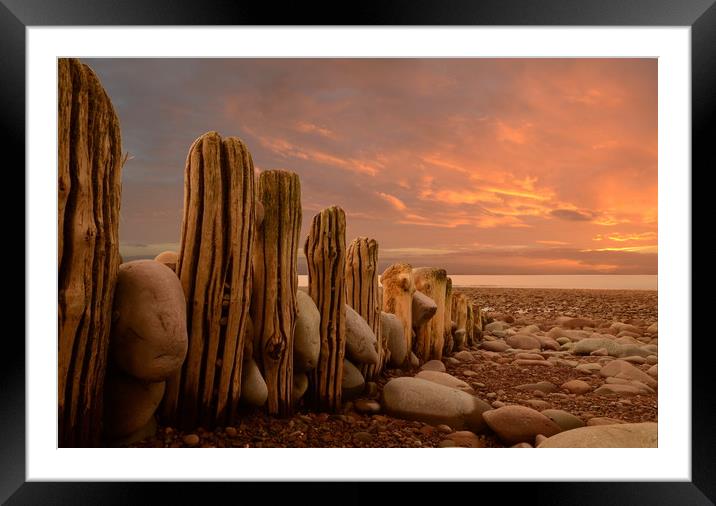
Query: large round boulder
x=624, y=435
x=129, y=404
x=519, y=424
x=523, y=342
x=564, y=419
x=253, y=386
x=360, y=339
x=497, y=346
x=300, y=386
x=168, y=258
x=424, y=308
x=306, y=337
x=625, y=370
x=353, y=382
x=446, y=379
x=392, y=329
x=430, y=402
x=149, y=335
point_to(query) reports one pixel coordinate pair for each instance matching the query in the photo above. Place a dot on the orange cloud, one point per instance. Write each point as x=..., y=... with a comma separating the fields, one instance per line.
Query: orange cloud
x=393, y=201
x=554, y=153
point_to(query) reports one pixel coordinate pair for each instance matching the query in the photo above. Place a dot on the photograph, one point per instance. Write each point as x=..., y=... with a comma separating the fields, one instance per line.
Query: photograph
x=422, y=252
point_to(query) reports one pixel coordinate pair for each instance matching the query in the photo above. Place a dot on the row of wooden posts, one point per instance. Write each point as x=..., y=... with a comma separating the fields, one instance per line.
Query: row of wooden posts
x=237, y=265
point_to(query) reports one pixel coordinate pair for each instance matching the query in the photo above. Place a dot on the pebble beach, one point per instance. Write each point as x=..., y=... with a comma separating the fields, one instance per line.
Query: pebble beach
x=595, y=366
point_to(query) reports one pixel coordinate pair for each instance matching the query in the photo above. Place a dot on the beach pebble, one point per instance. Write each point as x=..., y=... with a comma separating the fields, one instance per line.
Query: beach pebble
x=542, y=363
x=254, y=391
x=538, y=404
x=588, y=368
x=149, y=335
x=622, y=369
x=429, y=402
x=620, y=390
x=578, y=387
x=635, y=360
x=464, y=356
x=129, y=404
x=497, y=345
x=523, y=342
x=423, y=309
x=433, y=365
x=547, y=343
x=300, y=386
x=191, y=440
x=168, y=258
x=541, y=386
x=539, y=438
x=414, y=361
x=445, y=379
x=466, y=439
x=362, y=437
x=360, y=339
x=496, y=325
x=628, y=435
x=306, y=336
x=392, y=327
x=564, y=419
x=353, y=382
x=529, y=356
x=575, y=323
x=517, y=424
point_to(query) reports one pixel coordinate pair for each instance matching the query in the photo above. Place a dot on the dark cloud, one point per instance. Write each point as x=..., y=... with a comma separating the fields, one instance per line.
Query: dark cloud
x=569, y=214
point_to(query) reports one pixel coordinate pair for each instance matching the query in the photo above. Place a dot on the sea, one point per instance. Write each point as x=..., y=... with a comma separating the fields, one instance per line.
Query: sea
x=580, y=281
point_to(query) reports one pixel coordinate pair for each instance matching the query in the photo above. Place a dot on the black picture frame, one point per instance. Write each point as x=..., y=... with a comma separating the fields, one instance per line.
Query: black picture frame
x=700, y=15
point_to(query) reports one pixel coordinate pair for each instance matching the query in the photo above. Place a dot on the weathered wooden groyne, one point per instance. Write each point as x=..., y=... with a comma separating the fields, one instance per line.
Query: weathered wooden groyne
x=222, y=320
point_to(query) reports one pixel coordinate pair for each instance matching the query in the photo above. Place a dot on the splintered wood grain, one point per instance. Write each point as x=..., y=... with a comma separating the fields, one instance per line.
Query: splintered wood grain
x=362, y=294
x=431, y=337
x=325, y=251
x=214, y=267
x=460, y=314
x=275, y=281
x=398, y=288
x=469, y=325
x=89, y=192
x=448, y=340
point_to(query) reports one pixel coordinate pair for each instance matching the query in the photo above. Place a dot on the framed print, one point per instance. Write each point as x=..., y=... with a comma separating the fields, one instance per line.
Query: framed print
x=352, y=249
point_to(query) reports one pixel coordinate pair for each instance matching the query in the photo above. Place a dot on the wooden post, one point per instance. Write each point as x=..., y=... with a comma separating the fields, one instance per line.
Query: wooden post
x=398, y=288
x=325, y=251
x=470, y=326
x=459, y=314
x=362, y=295
x=430, y=338
x=449, y=318
x=214, y=267
x=275, y=281
x=478, y=322
x=89, y=190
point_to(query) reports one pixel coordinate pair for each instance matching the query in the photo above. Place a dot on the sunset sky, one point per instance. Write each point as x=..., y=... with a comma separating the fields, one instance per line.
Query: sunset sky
x=480, y=166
